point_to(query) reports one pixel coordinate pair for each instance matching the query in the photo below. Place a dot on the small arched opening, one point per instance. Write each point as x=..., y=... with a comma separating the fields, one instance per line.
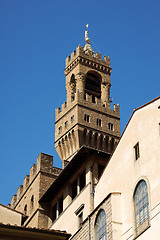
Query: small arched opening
x=93, y=85
x=73, y=86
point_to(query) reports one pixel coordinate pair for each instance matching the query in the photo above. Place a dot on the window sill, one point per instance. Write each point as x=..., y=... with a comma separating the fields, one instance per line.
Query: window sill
x=142, y=228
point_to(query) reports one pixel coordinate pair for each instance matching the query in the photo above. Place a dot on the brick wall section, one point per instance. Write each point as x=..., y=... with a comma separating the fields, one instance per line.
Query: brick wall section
x=34, y=186
x=83, y=232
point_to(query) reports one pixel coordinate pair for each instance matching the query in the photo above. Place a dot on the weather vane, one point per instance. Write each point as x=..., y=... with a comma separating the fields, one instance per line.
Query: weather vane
x=86, y=34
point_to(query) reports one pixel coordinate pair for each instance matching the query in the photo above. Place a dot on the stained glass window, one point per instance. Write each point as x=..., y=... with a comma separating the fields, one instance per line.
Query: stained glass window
x=141, y=203
x=101, y=229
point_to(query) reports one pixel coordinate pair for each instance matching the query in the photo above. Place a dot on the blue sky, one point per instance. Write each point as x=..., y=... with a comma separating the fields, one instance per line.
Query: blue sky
x=35, y=38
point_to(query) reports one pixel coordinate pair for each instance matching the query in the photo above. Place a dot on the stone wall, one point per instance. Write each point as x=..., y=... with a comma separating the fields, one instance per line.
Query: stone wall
x=87, y=230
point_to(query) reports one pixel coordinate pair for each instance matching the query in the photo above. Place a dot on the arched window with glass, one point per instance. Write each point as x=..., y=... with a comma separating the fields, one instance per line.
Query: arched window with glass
x=101, y=227
x=141, y=204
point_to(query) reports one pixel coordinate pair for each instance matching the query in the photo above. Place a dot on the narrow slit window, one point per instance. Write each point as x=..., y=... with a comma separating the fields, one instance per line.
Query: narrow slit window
x=136, y=151
x=74, y=189
x=72, y=118
x=66, y=124
x=54, y=212
x=60, y=204
x=82, y=179
x=99, y=122
x=60, y=129
x=86, y=117
x=111, y=126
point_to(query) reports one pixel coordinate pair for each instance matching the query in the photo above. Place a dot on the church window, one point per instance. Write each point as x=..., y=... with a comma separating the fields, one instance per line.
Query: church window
x=72, y=118
x=74, y=189
x=60, y=129
x=110, y=126
x=86, y=117
x=99, y=122
x=136, y=151
x=60, y=205
x=141, y=204
x=82, y=180
x=66, y=124
x=101, y=228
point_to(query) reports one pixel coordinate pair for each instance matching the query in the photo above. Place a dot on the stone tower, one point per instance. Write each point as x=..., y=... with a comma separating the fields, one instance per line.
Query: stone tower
x=86, y=118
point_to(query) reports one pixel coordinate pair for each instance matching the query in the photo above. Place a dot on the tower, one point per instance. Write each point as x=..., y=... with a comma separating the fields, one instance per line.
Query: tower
x=86, y=118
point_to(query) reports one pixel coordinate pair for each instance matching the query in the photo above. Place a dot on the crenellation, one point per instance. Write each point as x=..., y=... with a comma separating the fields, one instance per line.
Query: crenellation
x=98, y=56
x=73, y=54
x=26, y=182
x=116, y=108
x=44, y=162
x=13, y=200
x=64, y=105
x=19, y=192
x=33, y=171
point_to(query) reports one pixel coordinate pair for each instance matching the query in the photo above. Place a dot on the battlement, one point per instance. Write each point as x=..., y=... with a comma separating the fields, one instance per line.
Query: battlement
x=86, y=99
x=44, y=164
x=74, y=58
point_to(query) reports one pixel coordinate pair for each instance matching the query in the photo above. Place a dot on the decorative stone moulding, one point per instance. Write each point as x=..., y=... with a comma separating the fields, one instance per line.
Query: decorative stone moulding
x=89, y=63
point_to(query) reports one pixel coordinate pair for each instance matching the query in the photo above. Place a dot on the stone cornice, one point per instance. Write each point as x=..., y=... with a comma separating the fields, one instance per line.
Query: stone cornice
x=96, y=65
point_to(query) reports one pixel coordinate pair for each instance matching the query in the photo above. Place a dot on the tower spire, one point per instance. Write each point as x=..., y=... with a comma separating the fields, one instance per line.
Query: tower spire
x=86, y=34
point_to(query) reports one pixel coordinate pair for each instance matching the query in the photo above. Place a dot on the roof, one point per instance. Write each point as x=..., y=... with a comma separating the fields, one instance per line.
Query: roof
x=136, y=109
x=12, y=209
x=30, y=230
x=79, y=158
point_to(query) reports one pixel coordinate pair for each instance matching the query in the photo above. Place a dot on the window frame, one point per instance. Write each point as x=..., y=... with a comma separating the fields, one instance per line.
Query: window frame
x=99, y=122
x=101, y=216
x=136, y=151
x=141, y=212
x=86, y=117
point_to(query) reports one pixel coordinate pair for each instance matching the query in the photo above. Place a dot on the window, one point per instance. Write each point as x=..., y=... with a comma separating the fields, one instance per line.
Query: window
x=93, y=85
x=86, y=117
x=141, y=206
x=99, y=122
x=80, y=219
x=136, y=150
x=100, y=170
x=82, y=180
x=111, y=126
x=66, y=124
x=32, y=203
x=74, y=189
x=101, y=229
x=60, y=205
x=60, y=129
x=79, y=214
x=54, y=212
x=25, y=209
x=72, y=118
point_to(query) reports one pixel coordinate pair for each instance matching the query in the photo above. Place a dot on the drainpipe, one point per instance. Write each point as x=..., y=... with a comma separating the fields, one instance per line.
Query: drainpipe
x=89, y=234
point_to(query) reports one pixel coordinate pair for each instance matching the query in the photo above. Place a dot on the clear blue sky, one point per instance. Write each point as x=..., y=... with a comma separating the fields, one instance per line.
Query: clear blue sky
x=35, y=38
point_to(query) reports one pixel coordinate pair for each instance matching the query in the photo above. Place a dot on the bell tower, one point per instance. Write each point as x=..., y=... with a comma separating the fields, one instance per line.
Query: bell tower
x=86, y=118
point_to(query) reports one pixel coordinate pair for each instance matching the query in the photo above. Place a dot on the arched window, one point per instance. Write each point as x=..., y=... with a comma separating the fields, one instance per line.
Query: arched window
x=101, y=228
x=141, y=203
x=93, y=86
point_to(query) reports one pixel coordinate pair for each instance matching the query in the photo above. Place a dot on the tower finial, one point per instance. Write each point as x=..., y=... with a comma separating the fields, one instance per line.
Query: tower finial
x=86, y=34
